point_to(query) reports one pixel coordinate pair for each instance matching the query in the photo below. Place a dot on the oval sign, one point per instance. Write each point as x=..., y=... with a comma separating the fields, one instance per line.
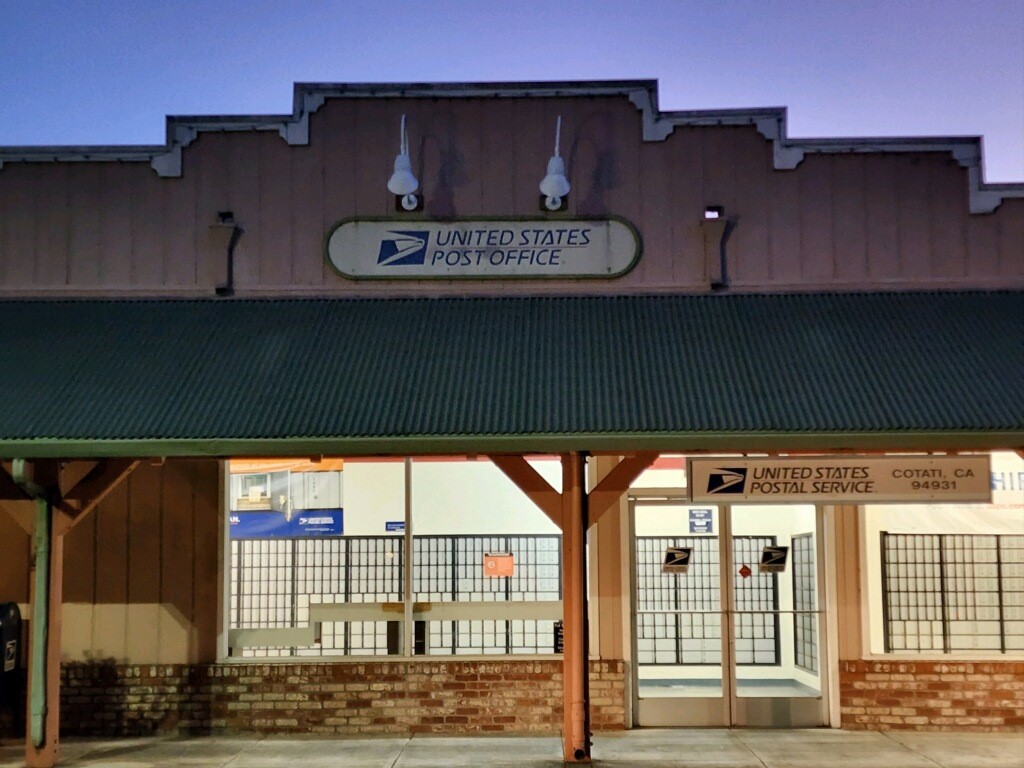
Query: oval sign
x=486, y=248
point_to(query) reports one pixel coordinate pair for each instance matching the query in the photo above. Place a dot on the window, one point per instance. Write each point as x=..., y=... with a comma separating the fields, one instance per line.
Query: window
x=805, y=604
x=953, y=592
x=948, y=579
x=308, y=541
x=448, y=568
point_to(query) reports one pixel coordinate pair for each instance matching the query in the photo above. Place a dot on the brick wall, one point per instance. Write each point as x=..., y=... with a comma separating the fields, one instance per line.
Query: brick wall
x=928, y=695
x=343, y=698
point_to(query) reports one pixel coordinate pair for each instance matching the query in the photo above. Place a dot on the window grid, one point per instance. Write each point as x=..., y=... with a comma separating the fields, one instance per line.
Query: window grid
x=679, y=638
x=448, y=568
x=805, y=604
x=757, y=632
x=953, y=592
x=276, y=580
x=691, y=630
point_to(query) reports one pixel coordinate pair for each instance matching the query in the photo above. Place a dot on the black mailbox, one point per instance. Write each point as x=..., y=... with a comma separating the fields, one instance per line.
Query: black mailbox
x=12, y=675
x=10, y=639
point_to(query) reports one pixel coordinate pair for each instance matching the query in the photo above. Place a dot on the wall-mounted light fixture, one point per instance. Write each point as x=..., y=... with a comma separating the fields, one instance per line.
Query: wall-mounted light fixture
x=226, y=228
x=716, y=230
x=403, y=183
x=554, y=186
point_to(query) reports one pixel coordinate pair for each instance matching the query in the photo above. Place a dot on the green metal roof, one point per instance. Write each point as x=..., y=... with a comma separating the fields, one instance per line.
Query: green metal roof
x=220, y=377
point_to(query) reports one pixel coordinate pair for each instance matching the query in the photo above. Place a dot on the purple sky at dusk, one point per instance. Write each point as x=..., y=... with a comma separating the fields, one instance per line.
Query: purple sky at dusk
x=107, y=72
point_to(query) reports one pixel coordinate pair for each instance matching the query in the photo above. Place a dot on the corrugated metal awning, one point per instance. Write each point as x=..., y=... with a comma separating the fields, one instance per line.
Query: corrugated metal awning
x=294, y=377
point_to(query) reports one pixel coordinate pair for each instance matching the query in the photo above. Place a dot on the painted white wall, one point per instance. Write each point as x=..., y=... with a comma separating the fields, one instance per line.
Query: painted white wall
x=662, y=478
x=448, y=497
x=374, y=494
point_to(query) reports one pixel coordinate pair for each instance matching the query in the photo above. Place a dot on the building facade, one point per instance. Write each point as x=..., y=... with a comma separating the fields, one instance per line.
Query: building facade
x=244, y=331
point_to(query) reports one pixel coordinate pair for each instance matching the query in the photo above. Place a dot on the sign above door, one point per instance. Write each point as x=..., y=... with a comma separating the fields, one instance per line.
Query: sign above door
x=838, y=479
x=411, y=249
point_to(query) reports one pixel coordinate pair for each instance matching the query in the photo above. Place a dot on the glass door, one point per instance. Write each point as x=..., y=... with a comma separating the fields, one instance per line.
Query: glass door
x=726, y=614
x=774, y=619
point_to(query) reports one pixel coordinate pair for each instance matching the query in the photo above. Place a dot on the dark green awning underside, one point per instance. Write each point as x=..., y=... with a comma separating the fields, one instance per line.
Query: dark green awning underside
x=258, y=377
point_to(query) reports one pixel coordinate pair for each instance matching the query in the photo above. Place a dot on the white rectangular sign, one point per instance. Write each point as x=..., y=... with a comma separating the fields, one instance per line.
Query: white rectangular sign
x=420, y=249
x=839, y=479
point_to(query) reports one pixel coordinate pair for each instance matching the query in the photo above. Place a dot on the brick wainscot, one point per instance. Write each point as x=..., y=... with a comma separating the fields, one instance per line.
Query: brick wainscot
x=331, y=698
x=933, y=696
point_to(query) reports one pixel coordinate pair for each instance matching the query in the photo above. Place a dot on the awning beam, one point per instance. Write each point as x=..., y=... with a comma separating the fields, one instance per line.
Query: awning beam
x=529, y=481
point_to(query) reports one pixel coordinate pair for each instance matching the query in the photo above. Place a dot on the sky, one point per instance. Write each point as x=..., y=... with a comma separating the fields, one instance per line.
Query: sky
x=107, y=72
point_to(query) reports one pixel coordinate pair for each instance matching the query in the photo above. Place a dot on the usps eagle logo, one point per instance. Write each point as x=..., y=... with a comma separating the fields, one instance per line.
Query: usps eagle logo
x=404, y=249
x=727, y=480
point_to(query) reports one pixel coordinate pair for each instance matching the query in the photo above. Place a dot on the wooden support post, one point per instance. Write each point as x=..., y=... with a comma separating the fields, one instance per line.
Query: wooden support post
x=43, y=715
x=575, y=667
x=61, y=495
x=573, y=510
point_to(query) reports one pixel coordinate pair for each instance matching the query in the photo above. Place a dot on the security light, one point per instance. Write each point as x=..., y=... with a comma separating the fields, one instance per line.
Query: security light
x=403, y=183
x=554, y=186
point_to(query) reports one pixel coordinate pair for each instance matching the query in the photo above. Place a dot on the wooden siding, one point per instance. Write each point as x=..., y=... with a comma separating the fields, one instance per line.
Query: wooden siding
x=141, y=572
x=838, y=221
x=849, y=600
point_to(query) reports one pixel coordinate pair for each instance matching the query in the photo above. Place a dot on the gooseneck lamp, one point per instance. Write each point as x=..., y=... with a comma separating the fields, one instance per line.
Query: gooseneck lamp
x=554, y=186
x=402, y=182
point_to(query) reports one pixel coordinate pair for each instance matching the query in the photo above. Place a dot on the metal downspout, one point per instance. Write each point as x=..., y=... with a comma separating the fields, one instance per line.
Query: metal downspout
x=40, y=617
x=40, y=604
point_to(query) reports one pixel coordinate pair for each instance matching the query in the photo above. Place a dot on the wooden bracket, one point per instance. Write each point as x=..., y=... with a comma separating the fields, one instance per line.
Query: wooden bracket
x=23, y=513
x=607, y=493
x=72, y=473
x=10, y=490
x=93, y=487
x=16, y=502
x=78, y=486
x=530, y=482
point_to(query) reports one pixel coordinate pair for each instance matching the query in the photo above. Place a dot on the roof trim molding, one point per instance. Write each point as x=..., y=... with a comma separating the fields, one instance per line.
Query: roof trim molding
x=308, y=98
x=711, y=442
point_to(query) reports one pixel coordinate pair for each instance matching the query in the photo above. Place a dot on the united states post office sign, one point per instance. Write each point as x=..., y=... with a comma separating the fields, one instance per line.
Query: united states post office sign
x=482, y=248
x=840, y=479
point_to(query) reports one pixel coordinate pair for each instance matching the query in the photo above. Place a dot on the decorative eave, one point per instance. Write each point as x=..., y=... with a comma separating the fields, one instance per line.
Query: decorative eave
x=770, y=122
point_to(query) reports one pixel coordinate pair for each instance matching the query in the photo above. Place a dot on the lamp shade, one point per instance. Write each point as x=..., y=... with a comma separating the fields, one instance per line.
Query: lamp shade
x=402, y=181
x=554, y=184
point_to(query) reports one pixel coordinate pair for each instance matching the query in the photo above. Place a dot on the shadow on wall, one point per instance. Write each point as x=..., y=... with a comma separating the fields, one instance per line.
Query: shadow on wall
x=103, y=698
x=12, y=704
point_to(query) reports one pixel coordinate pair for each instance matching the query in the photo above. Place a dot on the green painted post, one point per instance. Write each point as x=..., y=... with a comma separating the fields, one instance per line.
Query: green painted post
x=40, y=623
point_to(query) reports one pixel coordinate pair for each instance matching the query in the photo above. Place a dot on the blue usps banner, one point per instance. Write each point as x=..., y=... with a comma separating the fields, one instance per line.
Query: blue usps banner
x=700, y=521
x=301, y=524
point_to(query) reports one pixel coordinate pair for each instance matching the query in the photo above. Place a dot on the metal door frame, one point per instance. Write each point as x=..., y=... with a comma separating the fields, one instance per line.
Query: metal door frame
x=735, y=711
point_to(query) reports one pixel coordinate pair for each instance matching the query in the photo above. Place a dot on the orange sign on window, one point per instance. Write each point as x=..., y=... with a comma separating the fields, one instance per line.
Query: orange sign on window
x=498, y=564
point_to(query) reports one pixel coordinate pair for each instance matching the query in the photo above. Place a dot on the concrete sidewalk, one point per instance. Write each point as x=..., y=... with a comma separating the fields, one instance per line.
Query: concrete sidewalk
x=647, y=748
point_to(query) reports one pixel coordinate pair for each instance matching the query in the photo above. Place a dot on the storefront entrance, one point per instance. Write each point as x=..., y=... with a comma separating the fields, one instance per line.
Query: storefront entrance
x=731, y=631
